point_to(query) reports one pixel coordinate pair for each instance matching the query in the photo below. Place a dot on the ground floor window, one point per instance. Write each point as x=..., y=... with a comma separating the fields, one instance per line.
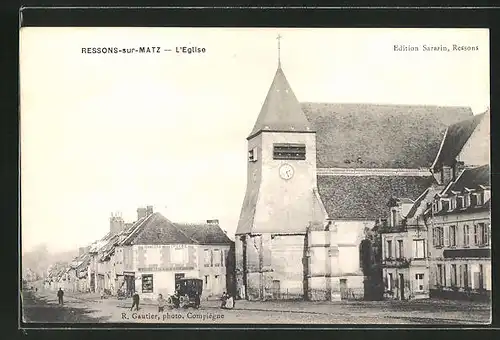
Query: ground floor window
x=419, y=280
x=441, y=275
x=453, y=275
x=389, y=281
x=147, y=283
x=465, y=275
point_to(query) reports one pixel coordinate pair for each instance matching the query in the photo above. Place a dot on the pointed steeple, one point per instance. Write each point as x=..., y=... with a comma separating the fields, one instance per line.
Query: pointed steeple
x=281, y=111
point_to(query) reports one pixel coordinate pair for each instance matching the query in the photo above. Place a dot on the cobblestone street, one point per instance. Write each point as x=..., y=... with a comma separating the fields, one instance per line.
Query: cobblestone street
x=88, y=308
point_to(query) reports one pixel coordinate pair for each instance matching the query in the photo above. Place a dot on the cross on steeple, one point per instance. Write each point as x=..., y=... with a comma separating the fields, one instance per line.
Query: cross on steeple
x=279, y=49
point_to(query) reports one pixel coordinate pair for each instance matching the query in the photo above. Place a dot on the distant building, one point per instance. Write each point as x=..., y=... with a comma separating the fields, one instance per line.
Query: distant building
x=460, y=230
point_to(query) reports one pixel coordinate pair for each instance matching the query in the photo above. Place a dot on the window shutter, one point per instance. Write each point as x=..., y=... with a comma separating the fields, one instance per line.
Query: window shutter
x=486, y=238
x=446, y=236
x=434, y=242
x=476, y=235
x=460, y=276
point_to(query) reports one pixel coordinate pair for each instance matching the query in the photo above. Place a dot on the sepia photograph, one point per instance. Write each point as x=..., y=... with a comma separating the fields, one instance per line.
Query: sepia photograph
x=329, y=176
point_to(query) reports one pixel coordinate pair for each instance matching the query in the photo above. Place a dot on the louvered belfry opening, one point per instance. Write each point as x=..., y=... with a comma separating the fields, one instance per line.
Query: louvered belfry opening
x=289, y=151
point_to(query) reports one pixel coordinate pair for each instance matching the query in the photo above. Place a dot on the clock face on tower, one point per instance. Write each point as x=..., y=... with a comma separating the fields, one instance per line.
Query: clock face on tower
x=286, y=171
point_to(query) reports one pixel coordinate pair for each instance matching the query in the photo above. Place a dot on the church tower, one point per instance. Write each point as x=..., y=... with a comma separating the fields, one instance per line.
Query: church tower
x=281, y=199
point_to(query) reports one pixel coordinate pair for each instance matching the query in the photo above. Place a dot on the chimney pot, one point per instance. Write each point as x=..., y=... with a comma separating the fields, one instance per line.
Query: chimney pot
x=213, y=221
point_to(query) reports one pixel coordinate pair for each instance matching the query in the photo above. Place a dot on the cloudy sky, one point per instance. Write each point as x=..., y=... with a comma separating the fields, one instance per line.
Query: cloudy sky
x=111, y=132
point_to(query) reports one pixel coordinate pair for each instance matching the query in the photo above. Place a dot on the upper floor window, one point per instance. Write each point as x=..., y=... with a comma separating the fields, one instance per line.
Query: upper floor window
x=217, y=258
x=400, y=250
x=467, y=200
x=179, y=255
x=466, y=235
x=207, y=257
x=435, y=207
x=479, y=199
x=438, y=236
x=252, y=155
x=481, y=234
x=460, y=202
x=388, y=252
x=289, y=151
x=453, y=236
x=453, y=203
x=445, y=204
x=418, y=249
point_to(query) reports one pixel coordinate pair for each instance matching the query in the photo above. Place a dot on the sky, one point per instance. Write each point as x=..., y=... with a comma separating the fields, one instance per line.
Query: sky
x=104, y=133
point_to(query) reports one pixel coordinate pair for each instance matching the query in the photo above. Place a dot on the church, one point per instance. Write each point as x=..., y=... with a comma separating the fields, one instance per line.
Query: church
x=318, y=177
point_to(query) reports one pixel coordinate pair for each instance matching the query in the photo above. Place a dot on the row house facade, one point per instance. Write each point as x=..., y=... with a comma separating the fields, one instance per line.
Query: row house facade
x=155, y=253
x=405, y=264
x=460, y=224
x=422, y=253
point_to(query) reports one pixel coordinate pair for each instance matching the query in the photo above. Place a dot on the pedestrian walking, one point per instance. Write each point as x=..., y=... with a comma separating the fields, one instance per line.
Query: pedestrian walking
x=223, y=299
x=135, y=301
x=60, y=295
x=161, y=303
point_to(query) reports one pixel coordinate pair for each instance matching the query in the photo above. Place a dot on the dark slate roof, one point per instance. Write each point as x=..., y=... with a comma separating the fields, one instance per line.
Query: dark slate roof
x=365, y=197
x=281, y=110
x=379, y=136
x=159, y=230
x=455, y=138
x=471, y=179
x=204, y=233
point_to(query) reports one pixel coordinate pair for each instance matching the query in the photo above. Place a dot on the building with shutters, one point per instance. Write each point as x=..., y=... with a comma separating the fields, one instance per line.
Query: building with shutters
x=460, y=233
x=318, y=177
x=405, y=262
x=156, y=253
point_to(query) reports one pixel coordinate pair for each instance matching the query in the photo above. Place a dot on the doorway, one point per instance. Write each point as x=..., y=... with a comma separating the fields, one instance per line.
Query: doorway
x=402, y=286
x=343, y=289
x=178, y=276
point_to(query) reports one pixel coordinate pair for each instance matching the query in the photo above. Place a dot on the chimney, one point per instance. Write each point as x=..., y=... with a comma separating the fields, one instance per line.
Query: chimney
x=81, y=251
x=216, y=222
x=149, y=210
x=458, y=169
x=116, y=223
x=141, y=212
x=447, y=174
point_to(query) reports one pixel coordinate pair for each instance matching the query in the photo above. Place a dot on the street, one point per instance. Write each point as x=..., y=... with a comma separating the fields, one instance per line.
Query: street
x=90, y=309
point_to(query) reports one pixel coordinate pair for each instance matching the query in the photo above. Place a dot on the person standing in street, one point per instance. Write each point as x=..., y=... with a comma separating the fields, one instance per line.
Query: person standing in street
x=135, y=301
x=60, y=295
x=161, y=303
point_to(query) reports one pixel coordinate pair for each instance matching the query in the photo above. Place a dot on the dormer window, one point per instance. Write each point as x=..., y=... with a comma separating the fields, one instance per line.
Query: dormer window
x=289, y=151
x=453, y=203
x=479, y=198
x=252, y=155
x=445, y=204
x=460, y=202
x=467, y=200
x=486, y=195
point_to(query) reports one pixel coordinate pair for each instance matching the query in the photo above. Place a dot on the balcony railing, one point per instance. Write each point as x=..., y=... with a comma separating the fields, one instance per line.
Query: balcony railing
x=390, y=262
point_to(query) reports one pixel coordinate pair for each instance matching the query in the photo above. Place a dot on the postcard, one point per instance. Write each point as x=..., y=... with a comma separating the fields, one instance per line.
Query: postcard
x=255, y=176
